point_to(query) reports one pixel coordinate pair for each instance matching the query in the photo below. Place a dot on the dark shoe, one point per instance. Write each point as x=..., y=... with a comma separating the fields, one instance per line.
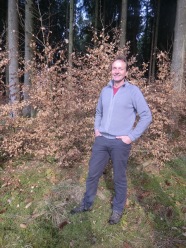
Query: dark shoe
x=115, y=217
x=80, y=209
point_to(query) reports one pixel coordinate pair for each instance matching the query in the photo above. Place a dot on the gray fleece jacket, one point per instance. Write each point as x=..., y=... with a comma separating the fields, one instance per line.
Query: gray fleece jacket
x=116, y=114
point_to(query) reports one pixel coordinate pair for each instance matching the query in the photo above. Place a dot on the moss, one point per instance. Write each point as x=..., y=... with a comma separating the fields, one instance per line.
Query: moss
x=35, y=213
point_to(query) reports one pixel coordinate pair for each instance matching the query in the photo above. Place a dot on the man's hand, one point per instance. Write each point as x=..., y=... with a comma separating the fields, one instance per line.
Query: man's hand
x=97, y=133
x=125, y=139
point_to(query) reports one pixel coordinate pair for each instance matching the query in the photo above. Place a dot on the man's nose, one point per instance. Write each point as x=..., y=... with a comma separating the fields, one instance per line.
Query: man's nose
x=116, y=70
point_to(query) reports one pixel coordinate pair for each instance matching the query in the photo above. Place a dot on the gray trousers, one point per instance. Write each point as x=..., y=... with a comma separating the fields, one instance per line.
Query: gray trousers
x=104, y=149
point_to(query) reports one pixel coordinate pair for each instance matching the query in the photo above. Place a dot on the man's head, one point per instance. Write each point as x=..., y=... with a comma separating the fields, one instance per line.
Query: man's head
x=119, y=69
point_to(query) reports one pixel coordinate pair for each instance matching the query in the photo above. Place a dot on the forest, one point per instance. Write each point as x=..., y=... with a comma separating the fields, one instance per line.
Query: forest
x=55, y=58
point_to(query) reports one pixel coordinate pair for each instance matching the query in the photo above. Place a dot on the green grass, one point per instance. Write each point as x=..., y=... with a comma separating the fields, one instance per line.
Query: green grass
x=36, y=199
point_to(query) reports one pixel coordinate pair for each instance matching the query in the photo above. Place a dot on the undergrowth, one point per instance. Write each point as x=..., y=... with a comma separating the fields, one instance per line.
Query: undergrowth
x=37, y=196
x=63, y=101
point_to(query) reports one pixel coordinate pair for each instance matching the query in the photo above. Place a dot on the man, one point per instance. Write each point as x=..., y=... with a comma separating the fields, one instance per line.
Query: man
x=116, y=112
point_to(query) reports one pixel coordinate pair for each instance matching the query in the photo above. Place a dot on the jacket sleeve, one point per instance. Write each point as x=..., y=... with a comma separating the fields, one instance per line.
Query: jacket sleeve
x=142, y=108
x=98, y=115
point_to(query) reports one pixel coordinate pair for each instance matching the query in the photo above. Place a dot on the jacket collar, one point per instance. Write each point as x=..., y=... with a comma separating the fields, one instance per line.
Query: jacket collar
x=111, y=83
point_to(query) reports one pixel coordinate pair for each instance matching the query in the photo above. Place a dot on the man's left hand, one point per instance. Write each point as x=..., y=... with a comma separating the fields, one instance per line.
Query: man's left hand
x=125, y=139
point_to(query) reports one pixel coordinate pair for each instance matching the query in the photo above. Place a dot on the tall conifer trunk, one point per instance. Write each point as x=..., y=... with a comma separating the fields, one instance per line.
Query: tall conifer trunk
x=153, y=55
x=28, y=52
x=96, y=15
x=13, y=51
x=95, y=22
x=123, y=23
x=179, y=48
x=71, y=32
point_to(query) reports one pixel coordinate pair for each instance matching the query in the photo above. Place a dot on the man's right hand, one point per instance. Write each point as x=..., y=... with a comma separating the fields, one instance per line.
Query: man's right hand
x=97, y=133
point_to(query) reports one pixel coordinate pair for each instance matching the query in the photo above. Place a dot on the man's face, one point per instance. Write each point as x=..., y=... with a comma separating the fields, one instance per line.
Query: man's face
x=119, y=71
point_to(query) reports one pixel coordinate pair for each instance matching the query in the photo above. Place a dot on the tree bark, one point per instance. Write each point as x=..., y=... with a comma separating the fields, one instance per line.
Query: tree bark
x=96, y=15
x=13, y=51
x=28, y=53
x=179, y=48
x=104, y=14
x=70, y=48
x=123, y=23
x=154, y=44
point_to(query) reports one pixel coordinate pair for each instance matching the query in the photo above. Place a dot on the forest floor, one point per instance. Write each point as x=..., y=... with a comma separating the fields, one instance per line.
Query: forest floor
x=36, y=198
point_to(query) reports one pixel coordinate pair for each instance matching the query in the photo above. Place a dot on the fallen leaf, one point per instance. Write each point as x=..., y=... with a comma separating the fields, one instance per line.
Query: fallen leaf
x=101, y=195
x=183, y=209
x=127, y=202
x=23, y=226
x=2, y=210
x=169, y=212
x=72, y=243
x=4, y=185
x=126, y=245
x=174, y=228
x=63, y=224
x=28, y=205
x=167, y=183
x=35, y=215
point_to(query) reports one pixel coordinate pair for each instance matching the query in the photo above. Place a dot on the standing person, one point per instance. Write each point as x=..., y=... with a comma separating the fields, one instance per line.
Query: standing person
x=118, y=104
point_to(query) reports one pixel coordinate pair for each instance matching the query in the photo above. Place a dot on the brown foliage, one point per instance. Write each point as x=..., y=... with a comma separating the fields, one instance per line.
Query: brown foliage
x=65, y=98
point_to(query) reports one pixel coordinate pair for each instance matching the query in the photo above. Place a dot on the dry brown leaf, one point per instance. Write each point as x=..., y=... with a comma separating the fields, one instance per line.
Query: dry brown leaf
x=23, y=225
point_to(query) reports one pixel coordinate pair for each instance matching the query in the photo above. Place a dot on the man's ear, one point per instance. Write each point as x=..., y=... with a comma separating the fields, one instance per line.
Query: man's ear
x=127, y=74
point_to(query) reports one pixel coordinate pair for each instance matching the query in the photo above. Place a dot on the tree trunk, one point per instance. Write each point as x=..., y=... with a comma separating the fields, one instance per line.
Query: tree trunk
x=7, y=66
x=96, y=15
x=150, y=79
x=179, y=48
x=123, y=23
x=28, y=53
x=154, y=44
x=70, y=48
x=104, y=15
x=13, y=51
